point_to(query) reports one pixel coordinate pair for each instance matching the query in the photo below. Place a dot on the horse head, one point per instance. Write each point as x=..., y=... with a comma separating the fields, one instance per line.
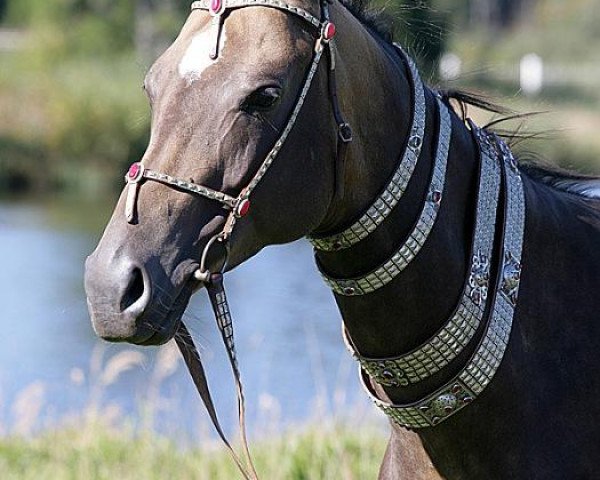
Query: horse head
x=240, y=91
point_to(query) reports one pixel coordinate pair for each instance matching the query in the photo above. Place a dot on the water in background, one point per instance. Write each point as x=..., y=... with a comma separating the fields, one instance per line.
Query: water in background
x=294, y=366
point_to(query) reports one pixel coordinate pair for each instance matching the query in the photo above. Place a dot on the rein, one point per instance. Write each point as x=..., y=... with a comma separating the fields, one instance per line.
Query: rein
x=185, y=342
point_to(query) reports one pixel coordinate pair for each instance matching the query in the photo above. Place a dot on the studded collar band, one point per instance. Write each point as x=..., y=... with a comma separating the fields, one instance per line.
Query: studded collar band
x=451, y=340
x=393, y=192
x=483, y=365
x=407, y=252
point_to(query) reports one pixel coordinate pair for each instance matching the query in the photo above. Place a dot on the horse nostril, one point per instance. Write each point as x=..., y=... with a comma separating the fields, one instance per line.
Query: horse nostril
x=134, y=290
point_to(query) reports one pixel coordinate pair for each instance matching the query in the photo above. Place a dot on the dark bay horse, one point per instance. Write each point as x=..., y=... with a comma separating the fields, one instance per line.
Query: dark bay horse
x=466, y=283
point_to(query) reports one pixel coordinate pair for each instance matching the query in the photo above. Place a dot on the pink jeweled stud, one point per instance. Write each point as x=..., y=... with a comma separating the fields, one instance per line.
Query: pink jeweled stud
x=135, y=173
x=216, y=7
x=328, y=31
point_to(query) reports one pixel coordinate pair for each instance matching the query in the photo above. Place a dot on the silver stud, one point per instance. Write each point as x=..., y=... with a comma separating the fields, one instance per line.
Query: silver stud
x=415, y=142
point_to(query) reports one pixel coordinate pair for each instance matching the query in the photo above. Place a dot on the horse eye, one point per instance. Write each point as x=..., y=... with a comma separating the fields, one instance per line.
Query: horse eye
x=262, y=99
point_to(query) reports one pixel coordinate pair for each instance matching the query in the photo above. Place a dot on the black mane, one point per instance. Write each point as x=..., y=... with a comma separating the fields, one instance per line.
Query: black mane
x=378, y=21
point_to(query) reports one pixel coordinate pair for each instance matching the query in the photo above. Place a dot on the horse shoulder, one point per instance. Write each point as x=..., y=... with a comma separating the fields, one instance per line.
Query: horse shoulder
x=406, y=458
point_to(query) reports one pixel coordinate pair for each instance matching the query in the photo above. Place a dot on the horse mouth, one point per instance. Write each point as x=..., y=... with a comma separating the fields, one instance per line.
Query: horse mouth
x=158, y=326
x=155, y=336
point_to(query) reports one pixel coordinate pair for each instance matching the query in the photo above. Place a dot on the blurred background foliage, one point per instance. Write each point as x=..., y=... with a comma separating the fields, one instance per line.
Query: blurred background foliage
x=72, y=114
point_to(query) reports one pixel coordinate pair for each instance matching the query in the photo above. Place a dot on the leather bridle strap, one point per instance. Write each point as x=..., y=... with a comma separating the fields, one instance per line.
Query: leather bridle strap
x=344, y=129
x=194, y=364
x=344, y=133
x=240, y=205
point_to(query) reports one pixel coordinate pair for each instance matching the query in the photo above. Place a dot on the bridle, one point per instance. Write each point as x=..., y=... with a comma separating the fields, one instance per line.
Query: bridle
x=239, y=206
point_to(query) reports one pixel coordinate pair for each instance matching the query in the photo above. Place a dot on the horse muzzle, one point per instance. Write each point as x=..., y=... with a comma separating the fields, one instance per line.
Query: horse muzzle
x=127, y=305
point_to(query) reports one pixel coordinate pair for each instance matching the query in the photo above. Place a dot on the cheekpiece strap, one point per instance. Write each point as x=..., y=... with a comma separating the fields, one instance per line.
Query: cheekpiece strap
x=387, y=200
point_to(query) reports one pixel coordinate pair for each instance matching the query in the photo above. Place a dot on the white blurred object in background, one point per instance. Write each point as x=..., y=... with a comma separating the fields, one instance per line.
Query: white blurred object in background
x=450, y=66
x=531, y=74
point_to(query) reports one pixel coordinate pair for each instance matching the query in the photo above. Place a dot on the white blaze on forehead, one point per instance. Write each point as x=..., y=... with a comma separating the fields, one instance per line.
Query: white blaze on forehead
x=197, y=57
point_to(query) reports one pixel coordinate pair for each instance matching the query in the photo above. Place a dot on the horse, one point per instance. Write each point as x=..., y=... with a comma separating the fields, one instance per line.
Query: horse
x=465, y=279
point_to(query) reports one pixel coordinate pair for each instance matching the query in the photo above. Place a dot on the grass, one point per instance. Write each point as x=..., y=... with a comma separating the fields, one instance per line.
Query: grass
x=99, y=442
x=95, y=451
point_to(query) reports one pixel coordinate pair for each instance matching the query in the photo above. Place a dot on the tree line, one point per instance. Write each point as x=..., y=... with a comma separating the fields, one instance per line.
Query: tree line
x=421, y=14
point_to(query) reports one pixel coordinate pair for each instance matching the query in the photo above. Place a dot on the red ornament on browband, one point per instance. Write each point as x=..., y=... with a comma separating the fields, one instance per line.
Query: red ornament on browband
x=135, y=172
x=216, y=7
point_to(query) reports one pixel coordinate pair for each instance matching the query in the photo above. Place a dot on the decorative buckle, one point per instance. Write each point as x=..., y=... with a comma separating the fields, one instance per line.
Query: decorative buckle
x=345, y=132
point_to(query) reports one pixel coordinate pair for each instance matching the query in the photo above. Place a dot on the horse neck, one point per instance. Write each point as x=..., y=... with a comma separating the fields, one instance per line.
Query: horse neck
x=404, y=314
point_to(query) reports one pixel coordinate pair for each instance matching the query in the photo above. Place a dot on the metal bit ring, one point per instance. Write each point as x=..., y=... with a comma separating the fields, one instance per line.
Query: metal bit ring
x=203, y=274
